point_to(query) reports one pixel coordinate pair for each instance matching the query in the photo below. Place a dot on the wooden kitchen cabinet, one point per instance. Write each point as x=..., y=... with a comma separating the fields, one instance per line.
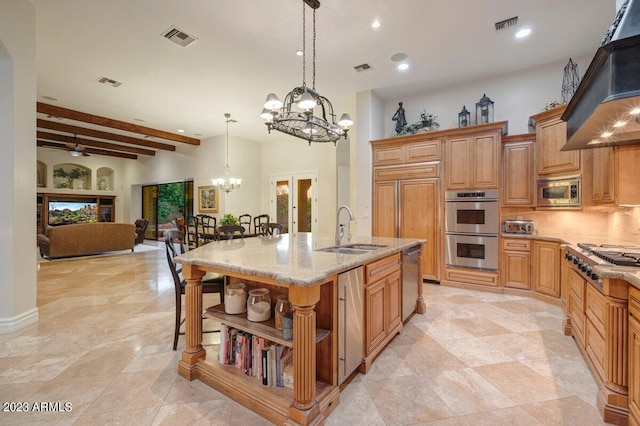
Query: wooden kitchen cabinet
x=414, y=149
x=603, y=176
x=516, y=263
x=546, y=268
x=517, y=172
x=634, y=356
x=382, y=305
x=472, y=161
x=577, y=301
x=616, y=175
x=551, y=136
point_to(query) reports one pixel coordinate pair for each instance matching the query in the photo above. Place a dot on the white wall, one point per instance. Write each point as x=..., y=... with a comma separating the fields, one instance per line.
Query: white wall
x=517, y=96
x=283, y=154
x=17, y=165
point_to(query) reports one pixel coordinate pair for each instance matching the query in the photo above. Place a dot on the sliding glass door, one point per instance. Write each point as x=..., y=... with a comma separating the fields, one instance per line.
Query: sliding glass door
x=163, y=202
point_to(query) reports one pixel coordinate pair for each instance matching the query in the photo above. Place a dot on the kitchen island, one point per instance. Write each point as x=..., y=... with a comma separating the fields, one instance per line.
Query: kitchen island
x=294, y=265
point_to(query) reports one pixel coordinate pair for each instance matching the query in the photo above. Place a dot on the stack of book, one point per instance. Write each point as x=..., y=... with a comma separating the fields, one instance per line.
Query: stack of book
x=257, y=357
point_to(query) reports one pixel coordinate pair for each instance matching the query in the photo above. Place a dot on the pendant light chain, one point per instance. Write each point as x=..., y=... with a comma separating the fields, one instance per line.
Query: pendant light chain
x=314, y=49
x=226, y=151
x=304, y=46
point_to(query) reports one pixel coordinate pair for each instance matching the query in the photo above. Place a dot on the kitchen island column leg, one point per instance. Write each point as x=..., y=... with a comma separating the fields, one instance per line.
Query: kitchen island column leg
x=304, y=300
x=193, y=322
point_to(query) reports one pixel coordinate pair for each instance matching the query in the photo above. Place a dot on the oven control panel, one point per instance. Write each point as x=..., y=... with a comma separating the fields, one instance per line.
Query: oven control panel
x=518, y=227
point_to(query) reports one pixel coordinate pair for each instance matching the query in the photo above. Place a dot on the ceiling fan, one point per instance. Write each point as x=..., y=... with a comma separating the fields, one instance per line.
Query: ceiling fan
x=75, y=149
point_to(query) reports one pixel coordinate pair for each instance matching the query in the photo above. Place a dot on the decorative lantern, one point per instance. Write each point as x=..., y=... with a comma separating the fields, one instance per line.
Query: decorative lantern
x=464, y=117
x=484, y=110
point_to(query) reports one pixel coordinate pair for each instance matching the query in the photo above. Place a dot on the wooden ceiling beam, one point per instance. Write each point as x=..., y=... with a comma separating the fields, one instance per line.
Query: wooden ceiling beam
x=114, y=124
x=88, y=142
x=76, y=130
x=55, y=145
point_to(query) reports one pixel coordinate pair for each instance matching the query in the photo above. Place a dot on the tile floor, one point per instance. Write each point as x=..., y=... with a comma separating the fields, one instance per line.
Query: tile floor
x=104, y=339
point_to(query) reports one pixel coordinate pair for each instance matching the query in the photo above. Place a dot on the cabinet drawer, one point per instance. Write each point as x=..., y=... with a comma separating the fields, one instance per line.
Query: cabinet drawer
x=472, y=277
x=596, y=308
x=423, y=151
x=577, y=319
x=634, y=302
x=577, y=290
x=414, y=171
x=381, y=268
x=595, y=345
x=388, y=155
x=516, y=244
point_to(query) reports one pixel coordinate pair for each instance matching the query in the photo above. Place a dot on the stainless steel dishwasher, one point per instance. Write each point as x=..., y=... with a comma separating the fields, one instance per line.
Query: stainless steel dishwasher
x=410, y=280
x=350, y=322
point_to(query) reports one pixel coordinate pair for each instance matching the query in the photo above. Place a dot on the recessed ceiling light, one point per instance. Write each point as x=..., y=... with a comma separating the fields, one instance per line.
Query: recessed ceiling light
x=606, y=134
x=180, y=131
x=398, y=57
x=375, y=24
x=299, y=52
x=403, y=66
x=619, y=124
x=635, y=111
x=523, y=33
x=139, y=120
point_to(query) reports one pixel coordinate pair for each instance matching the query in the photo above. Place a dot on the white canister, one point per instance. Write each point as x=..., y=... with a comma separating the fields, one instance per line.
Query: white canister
x=235, y=299
x=258, y=305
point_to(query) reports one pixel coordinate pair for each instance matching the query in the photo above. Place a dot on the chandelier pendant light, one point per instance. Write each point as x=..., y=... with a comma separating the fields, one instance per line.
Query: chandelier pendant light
x=302, y=123
x=227, y=183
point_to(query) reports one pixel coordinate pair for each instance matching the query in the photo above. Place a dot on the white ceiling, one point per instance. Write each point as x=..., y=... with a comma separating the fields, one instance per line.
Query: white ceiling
x=245, y=49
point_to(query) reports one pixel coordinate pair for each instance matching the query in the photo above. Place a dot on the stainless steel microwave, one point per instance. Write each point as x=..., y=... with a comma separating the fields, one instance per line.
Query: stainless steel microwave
x=560, y=193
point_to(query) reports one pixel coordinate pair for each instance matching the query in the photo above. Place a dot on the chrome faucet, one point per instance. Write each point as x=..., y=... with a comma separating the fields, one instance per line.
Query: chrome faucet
x=340, y=227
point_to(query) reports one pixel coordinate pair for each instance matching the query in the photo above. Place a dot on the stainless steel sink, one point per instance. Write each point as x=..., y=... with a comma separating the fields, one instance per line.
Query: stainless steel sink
x=368, y=247
x=344, y=250
x=352, y=248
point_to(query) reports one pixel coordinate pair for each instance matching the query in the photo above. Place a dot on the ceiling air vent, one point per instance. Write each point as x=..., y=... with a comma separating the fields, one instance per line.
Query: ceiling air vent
x=178, y=37
x=362, y=67
x=506, y=23
x=109, y=81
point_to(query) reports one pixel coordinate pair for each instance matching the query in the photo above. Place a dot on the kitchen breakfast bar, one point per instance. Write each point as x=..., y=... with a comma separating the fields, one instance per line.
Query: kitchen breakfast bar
x=306, y=268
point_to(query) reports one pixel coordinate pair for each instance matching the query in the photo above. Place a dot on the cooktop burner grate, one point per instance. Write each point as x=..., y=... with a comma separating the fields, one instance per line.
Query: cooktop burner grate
x=619, y=258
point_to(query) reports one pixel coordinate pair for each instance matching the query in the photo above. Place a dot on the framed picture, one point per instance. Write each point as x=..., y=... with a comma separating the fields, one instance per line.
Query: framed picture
x=208, y=199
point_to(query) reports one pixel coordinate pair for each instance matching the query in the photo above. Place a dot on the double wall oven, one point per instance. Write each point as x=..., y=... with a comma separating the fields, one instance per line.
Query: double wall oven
x=471, y=229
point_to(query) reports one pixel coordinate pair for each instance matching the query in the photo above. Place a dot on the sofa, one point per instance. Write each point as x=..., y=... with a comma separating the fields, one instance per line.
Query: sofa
x=86, y=238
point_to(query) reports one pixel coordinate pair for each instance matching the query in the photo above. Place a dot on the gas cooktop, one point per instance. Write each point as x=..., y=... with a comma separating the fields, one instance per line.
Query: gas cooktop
x=620, y=255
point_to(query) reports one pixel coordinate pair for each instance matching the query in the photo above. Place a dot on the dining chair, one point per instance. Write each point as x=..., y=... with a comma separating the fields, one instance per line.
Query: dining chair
x=208, y=228
x=228, y=232
x=269, y=228
x=214, y=284
x=245, y=219
x=191, y=224
x=258, y=221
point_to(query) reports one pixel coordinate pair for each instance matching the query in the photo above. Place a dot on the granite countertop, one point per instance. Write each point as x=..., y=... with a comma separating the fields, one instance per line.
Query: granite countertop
x=602, y=268
x=290, y=259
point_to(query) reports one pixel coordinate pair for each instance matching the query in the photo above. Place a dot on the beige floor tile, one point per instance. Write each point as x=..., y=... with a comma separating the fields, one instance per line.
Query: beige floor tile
x=520, y=383
x=356, y=408
x=99, y=362
x=138, y=417
x=480, y=326
x=503, y=417
x=475, y=351
x=406, y=400
x=429, y=359
x=518, y=346
x=216, y=412
x=565, y=411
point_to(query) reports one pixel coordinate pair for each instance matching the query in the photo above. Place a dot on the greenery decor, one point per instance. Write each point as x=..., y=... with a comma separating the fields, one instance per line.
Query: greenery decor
x=551, y=104
x=229, y=219
x=427, y=121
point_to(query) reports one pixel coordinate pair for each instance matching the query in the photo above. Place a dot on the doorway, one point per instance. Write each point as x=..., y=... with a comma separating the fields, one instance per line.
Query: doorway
x=163, y=202
x=294, y=201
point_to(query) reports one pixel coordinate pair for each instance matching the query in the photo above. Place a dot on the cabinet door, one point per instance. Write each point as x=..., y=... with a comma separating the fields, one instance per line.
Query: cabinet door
x=628, y=174
x=517, y=175
x=551, y=136
x=603, y=176
x=386, y=156
x=419, y=215
x=393, y=300
x=565, y=276
x=546, y=268
x=484, y=159
x=385, y=209
x=376, y=322
x=634, y=371
x=423, y=152
x=458, y=163
x=516, y=269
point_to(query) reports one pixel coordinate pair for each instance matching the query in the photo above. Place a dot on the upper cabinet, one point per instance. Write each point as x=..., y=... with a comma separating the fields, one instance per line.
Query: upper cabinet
x=472, y=161
x=616, y=176
x=517, y=170
x=413, y=149
x=551, y=136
